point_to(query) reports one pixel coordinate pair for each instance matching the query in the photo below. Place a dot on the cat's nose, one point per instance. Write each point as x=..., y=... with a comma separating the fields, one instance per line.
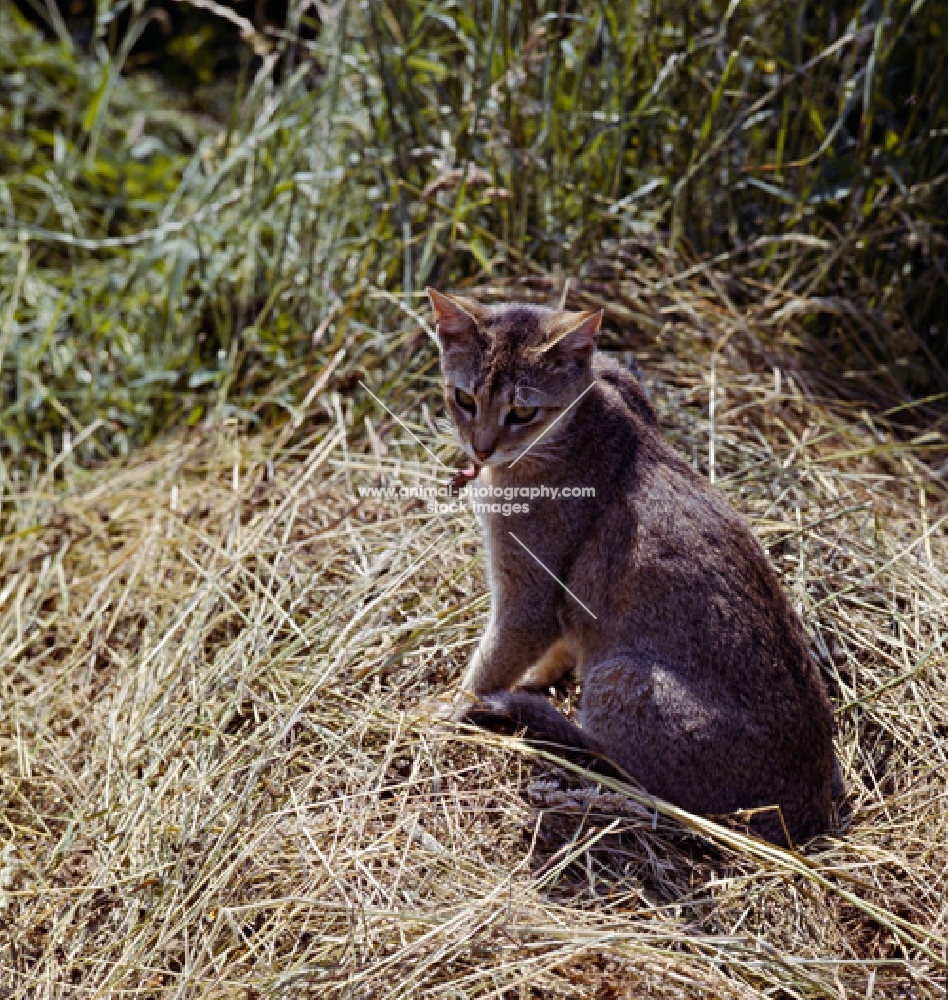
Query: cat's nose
x=482, y=456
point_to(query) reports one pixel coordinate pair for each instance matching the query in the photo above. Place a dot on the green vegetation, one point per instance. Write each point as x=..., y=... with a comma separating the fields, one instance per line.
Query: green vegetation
x=158, y=263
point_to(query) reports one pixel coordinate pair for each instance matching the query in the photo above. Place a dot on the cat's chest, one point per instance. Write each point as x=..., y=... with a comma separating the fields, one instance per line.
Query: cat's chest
x=516, y=521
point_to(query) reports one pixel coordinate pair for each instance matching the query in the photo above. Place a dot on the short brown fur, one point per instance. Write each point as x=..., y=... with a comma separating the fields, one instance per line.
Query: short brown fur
x=695, y=670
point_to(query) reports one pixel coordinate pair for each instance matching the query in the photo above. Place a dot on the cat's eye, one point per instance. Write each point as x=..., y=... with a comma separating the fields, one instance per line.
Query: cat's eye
x=522, y=414
x=465, y=400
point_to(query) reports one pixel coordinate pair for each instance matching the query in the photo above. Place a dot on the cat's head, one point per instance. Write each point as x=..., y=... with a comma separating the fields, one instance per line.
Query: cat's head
x=510, y=370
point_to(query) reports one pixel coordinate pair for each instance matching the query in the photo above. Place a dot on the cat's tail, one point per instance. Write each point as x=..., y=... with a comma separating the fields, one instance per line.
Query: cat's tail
x=543, y=726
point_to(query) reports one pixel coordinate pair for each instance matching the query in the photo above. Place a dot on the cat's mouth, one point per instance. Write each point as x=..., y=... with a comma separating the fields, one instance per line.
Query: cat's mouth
x=463, y=477
x=487, y=461
x=501, y=457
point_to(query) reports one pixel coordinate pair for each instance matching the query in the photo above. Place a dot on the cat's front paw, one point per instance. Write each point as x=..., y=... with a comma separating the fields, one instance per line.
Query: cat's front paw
x=436, y=710
x=446, y=709
x=464, y=704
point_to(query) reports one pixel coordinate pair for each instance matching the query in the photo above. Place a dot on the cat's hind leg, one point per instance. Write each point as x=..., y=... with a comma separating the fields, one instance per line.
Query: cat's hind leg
x=695, y=747
x=651, y=721
x=550, y=669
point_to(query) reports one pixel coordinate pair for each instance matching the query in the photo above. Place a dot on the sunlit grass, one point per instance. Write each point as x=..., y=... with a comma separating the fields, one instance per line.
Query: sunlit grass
x=221, y=774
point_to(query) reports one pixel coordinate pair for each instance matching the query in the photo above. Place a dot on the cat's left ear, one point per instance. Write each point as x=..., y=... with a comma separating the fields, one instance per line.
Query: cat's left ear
x=456, y=316
x=575, y=333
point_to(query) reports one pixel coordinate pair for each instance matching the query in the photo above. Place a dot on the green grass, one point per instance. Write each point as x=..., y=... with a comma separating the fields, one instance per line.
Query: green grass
x=159, y=265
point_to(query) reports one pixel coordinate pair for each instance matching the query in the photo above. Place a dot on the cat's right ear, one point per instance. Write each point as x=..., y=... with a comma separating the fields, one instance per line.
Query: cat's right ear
x=456, y=317
x=574, y=334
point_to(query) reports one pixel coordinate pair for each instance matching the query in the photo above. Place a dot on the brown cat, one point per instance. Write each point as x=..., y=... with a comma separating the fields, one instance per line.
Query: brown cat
x=696, y=678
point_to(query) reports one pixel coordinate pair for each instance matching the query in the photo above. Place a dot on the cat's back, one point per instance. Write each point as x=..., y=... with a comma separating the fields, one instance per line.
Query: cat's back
x=690, y=600
x=676, y=564
x=716, y=577
x=610, y=373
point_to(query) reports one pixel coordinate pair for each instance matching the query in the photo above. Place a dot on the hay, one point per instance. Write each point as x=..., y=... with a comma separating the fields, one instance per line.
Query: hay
x=220, y=772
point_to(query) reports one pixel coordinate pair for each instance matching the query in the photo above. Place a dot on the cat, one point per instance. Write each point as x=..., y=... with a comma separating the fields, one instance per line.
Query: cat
x=696, y=676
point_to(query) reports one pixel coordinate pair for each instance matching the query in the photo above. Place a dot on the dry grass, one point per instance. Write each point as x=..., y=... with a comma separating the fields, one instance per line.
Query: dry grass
x=219, y=773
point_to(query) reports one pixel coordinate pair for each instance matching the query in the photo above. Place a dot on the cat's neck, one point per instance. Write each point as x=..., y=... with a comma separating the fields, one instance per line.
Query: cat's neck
x=526, y=469
x=531, y=467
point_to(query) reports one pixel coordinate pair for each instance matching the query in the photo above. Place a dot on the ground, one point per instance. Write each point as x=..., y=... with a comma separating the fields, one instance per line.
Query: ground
x=220, y=771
